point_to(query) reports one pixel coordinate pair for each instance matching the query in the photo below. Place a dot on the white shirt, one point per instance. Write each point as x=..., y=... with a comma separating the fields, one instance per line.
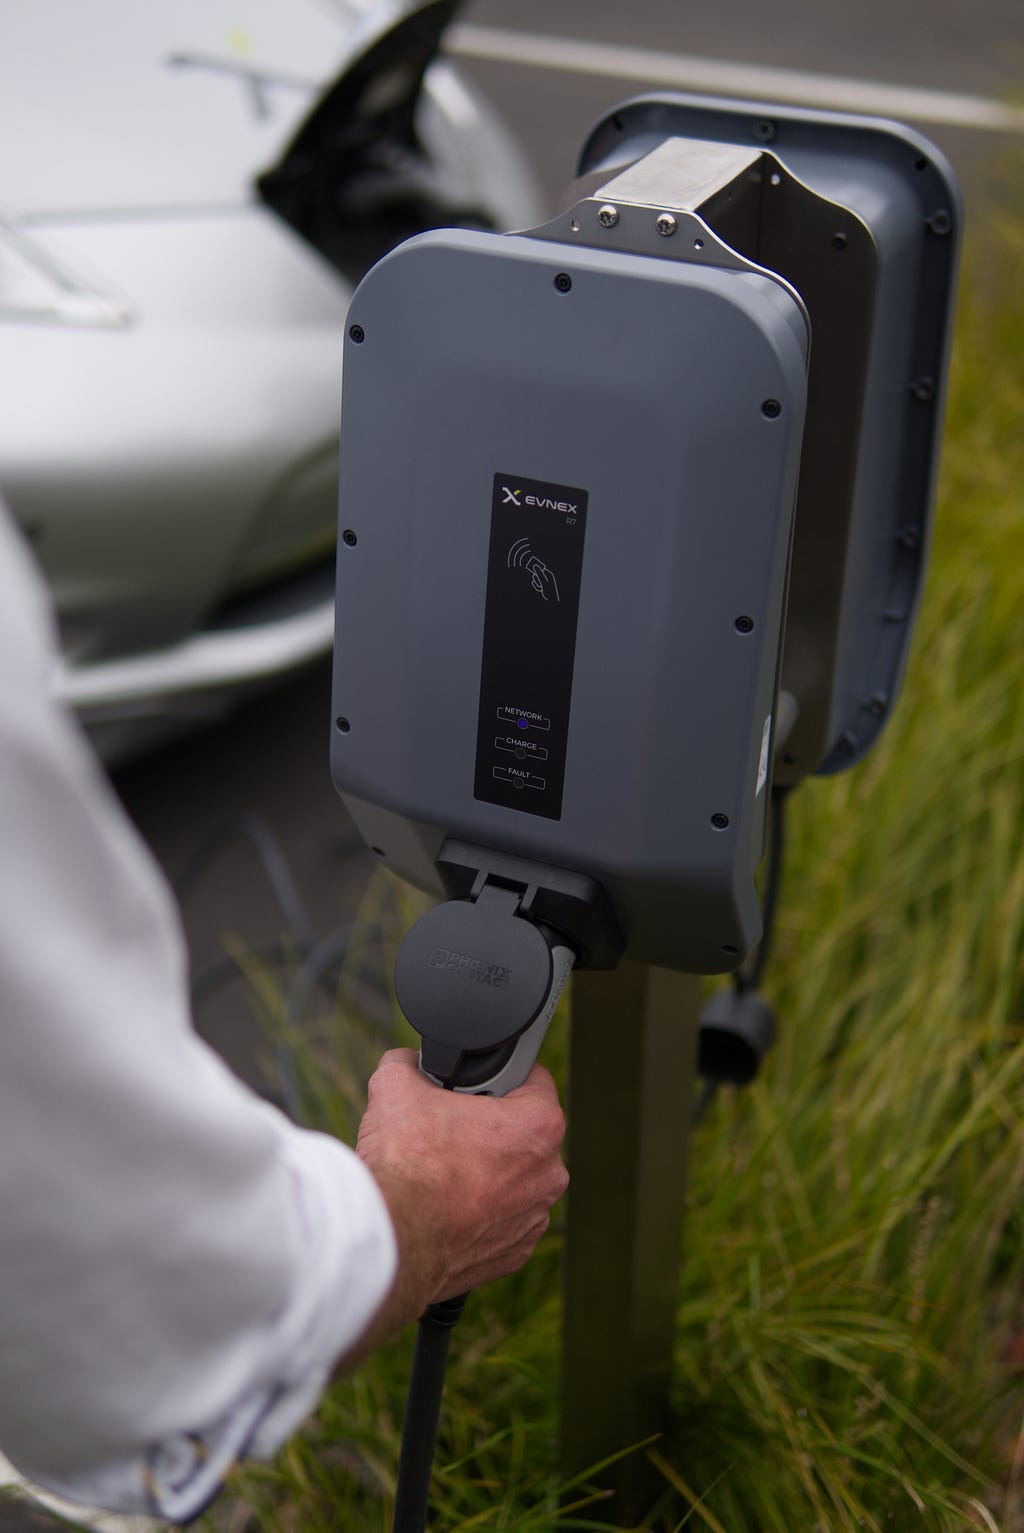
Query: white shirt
x=180, y=1266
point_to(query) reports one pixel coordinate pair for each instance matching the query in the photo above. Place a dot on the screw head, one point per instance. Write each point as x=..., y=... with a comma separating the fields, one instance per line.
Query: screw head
x=666, y=225
x=839, y=241
x=771, y=409
x=342, y=725
x=940, y=222
x=744, y=624
x=923, y=389
x=563, y=282
x=357, y=334
x=349, y=537
x=608, y=216
x=720, y=821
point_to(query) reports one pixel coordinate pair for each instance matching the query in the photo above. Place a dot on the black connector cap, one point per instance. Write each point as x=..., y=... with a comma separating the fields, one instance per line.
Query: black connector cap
x=471, y=977
x=736, y=1030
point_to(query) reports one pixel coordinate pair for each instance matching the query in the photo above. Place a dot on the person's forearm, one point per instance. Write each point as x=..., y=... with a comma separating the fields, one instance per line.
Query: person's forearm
x=419, y=1275
x=468, y=1181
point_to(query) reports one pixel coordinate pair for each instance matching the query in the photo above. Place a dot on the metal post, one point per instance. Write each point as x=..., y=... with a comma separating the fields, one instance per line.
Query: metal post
x=631, y=1070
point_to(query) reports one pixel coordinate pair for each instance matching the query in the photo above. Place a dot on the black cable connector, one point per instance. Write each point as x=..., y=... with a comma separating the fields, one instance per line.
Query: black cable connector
x=750, y=977
x=737, y=1028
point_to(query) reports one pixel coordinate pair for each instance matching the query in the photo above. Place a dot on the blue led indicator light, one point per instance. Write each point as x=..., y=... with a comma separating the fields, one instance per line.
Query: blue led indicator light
x=524, y=723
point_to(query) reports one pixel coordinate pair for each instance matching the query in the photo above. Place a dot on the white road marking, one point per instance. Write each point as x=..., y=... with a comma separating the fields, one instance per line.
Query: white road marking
x=723, y=77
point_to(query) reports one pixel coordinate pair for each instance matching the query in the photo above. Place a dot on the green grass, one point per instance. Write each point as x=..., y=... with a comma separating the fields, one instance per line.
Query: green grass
x=854, y=1262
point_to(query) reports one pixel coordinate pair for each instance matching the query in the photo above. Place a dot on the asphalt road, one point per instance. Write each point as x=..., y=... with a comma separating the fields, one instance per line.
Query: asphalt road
x=270, y=760
x=268, y=764
x=937, y=43
x=938, y=46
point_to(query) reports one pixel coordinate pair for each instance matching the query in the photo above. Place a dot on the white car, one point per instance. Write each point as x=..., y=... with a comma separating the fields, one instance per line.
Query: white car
x=189, y=192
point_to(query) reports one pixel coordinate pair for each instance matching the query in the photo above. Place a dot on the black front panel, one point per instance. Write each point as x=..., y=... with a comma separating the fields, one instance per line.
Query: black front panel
x=533, y=590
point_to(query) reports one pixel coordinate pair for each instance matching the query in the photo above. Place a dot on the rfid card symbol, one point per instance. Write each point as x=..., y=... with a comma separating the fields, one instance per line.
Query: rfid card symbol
x=542, y=579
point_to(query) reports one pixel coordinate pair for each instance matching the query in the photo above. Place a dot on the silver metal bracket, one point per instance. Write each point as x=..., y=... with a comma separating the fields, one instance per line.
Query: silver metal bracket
x=711, y=204
x=742, y=208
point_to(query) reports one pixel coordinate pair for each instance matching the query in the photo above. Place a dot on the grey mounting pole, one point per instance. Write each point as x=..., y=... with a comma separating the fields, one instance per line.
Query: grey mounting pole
x=632, y=1054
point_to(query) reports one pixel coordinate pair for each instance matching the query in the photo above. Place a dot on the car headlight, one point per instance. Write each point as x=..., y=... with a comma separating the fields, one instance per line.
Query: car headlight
x=36, y=287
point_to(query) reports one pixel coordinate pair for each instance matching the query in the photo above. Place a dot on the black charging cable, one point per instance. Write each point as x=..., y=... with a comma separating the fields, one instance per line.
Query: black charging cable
x=423, y=1412
x=749, y=978
x=248, y=828
x=479, y=977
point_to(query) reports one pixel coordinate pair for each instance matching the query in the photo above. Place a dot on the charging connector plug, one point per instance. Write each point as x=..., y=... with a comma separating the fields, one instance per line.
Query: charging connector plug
x=479, y=976
x=480, y=984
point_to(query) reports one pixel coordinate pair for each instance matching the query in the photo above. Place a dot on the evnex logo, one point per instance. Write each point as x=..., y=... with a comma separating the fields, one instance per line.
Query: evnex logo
x=493, y=974
x=542, y=503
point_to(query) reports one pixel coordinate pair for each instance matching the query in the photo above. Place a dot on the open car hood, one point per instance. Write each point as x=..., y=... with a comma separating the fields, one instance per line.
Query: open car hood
x=109, y=107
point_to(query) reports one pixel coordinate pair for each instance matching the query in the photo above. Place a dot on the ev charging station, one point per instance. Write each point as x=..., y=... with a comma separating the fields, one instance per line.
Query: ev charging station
x=634, y=512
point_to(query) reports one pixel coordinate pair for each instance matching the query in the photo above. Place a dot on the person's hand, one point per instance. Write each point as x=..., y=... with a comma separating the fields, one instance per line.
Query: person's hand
x=469, y=1180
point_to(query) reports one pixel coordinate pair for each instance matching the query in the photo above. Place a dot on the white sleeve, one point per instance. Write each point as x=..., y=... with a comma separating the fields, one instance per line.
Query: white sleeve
x=179, y=1265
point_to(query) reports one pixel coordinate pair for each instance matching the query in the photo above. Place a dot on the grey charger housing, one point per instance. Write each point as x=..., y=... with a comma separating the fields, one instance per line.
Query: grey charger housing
x=634, y=506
